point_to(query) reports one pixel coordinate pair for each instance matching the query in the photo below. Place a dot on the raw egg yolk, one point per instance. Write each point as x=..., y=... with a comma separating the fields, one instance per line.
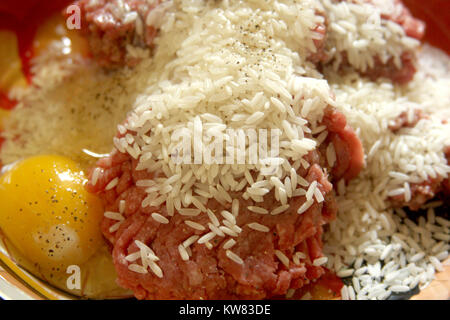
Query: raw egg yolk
x=47, y=214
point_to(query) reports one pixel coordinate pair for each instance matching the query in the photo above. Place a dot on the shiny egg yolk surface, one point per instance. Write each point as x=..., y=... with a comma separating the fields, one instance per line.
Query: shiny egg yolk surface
x=47, y=214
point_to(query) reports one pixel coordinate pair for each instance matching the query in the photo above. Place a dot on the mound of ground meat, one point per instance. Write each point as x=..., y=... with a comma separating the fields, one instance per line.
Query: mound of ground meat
x=413, y=28
x=430, y=188
x=209, y=273
x=112, y=25
x=426, y=190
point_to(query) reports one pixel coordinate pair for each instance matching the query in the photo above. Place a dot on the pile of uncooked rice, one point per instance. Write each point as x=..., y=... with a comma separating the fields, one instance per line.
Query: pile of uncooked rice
x=381, y=249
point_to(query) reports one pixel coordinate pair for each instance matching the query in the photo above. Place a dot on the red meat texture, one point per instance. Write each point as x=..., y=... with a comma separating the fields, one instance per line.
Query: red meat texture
x=108, y=35
x=413, y=28
x=429, y=189
x=209, y=273
x=426, y=190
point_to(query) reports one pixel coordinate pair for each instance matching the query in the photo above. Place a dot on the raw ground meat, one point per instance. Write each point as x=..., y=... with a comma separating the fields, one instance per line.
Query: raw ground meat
x=209, y=273
x=108, y=34
x=413, y=28
x=108, y=37
x=428, y=189
x=425, y=191
x=348, y=147
x=320, y=42
x=403, y=121
x=420, y=193
x=390, y=71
